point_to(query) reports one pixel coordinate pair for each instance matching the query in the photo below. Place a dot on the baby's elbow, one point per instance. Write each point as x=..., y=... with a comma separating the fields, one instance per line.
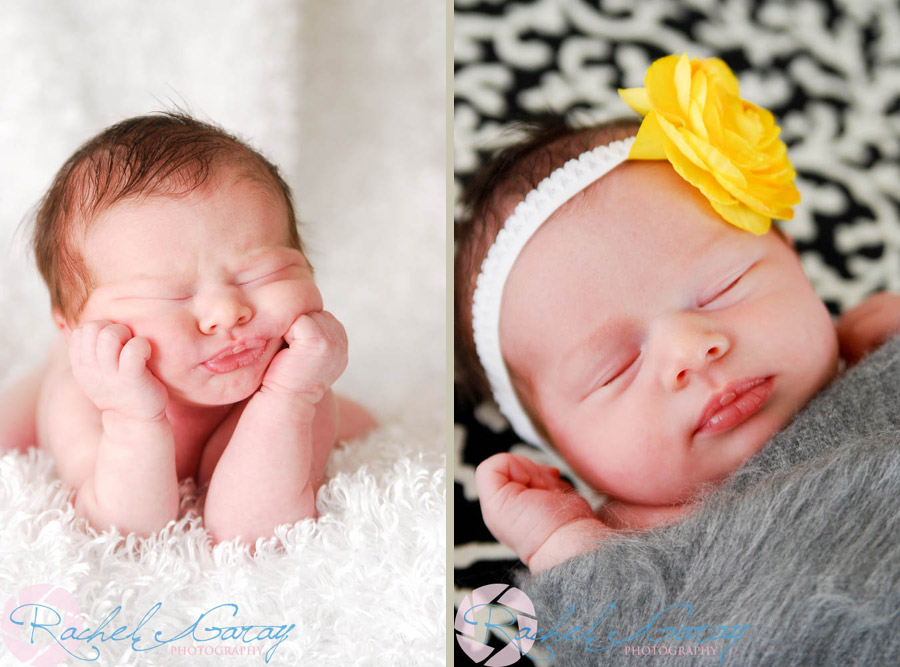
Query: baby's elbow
x=354, y=421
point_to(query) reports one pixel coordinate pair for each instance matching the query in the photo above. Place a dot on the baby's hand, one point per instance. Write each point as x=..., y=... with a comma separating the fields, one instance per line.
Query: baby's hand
x=863, y=328
x=534, y=512
x=315, y=357
x=110, y=366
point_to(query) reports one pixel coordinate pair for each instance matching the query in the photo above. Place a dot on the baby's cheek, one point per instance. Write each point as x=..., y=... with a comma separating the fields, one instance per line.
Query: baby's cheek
x=627, y=451
x=293, y=298
x=281, y=303
x=172, y=336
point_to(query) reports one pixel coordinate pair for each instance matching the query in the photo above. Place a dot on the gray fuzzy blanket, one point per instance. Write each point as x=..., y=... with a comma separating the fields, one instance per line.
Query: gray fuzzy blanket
x=794, y=561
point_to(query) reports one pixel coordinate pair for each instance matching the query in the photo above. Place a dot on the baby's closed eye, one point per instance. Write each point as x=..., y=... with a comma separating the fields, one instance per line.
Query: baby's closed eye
x=619, y=369
x=175, y=297
x=724, y=292
x=262, y=276
x=615, y=371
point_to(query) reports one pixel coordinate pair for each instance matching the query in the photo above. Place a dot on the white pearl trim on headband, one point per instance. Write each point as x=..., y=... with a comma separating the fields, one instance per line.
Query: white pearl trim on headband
x=539, y=204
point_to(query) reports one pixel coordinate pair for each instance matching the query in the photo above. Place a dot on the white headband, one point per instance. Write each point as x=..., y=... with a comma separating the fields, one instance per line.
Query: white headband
x=551, y=193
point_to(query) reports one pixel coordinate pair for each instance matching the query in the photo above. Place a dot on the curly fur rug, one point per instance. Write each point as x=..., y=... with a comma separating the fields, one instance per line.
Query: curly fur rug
x=363, y=584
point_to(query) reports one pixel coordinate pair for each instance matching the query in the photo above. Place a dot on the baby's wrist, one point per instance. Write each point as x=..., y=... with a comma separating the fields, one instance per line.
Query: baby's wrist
x=300, y=403
x=148, y=417
x=307, y=395
x=124, y=427
x=569, y=540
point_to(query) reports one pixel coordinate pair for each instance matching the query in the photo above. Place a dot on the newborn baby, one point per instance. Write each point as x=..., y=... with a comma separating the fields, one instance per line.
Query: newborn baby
x=194, y=340
x=651, y=345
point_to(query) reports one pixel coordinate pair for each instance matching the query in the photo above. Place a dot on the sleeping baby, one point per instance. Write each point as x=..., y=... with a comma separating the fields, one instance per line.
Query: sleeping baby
x=621, y=295
x=194, y=341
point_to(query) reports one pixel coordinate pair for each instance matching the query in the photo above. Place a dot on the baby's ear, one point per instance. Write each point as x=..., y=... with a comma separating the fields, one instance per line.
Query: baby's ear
x=61, y=323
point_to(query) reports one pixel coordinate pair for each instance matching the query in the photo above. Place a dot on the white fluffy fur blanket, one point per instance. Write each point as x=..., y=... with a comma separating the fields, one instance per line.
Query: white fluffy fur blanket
x=363, y=584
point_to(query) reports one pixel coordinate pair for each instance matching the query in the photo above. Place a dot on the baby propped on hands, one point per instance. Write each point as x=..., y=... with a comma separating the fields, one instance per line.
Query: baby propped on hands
x=195, y=343
x=625, y=301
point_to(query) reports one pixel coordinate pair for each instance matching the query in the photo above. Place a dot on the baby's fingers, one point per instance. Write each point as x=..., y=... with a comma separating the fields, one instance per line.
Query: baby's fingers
x=317, y=329
x=329, y=325
x=83, y=343
x=134, y=356
x=537, y=476
x=494, y=473
x=109, y=345
x=502, y=469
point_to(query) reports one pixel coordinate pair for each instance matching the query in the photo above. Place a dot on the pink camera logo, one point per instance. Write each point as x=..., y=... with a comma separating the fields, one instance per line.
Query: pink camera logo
x=33, y=618
x=501, y=610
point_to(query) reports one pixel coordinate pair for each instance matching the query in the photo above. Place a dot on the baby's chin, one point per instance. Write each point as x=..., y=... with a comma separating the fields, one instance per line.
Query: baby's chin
x=210, y=399
x=218, y=391
x=703, y=470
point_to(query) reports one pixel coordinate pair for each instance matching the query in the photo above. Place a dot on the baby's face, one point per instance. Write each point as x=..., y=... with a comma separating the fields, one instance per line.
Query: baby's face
x=637, y=315
x=209, y=278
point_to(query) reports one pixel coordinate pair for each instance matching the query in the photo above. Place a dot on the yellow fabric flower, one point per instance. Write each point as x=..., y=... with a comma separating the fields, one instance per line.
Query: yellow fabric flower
x=726, y=147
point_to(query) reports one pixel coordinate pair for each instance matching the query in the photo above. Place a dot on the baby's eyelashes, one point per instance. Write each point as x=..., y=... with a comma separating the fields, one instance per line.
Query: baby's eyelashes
x=616, y=372
x=285, y=266
x=717, y=297
x=182, y=294
x=253, y=280
x=724, y=294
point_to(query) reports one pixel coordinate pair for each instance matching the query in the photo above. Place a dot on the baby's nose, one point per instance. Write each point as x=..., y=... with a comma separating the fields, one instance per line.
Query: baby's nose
x=224, y=308
x=689, y=345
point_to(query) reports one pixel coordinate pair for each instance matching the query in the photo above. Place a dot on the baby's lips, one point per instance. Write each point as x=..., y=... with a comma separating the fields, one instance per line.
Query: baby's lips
x=236, y=356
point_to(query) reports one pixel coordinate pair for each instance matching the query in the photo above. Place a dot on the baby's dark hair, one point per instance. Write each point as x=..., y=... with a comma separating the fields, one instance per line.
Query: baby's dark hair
x=487, y=202
x=164, y=153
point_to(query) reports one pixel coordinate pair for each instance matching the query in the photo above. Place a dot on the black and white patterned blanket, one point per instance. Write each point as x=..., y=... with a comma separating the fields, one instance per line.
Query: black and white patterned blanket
x=829, y=70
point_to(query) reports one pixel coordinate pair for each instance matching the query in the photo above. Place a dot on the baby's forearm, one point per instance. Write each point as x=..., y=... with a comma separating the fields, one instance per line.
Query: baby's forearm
x=134, y=485
x=583, y=535
x=264, y=477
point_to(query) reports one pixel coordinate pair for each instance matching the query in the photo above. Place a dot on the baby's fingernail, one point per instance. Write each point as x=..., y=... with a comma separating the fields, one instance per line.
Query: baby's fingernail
x=519, y=472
